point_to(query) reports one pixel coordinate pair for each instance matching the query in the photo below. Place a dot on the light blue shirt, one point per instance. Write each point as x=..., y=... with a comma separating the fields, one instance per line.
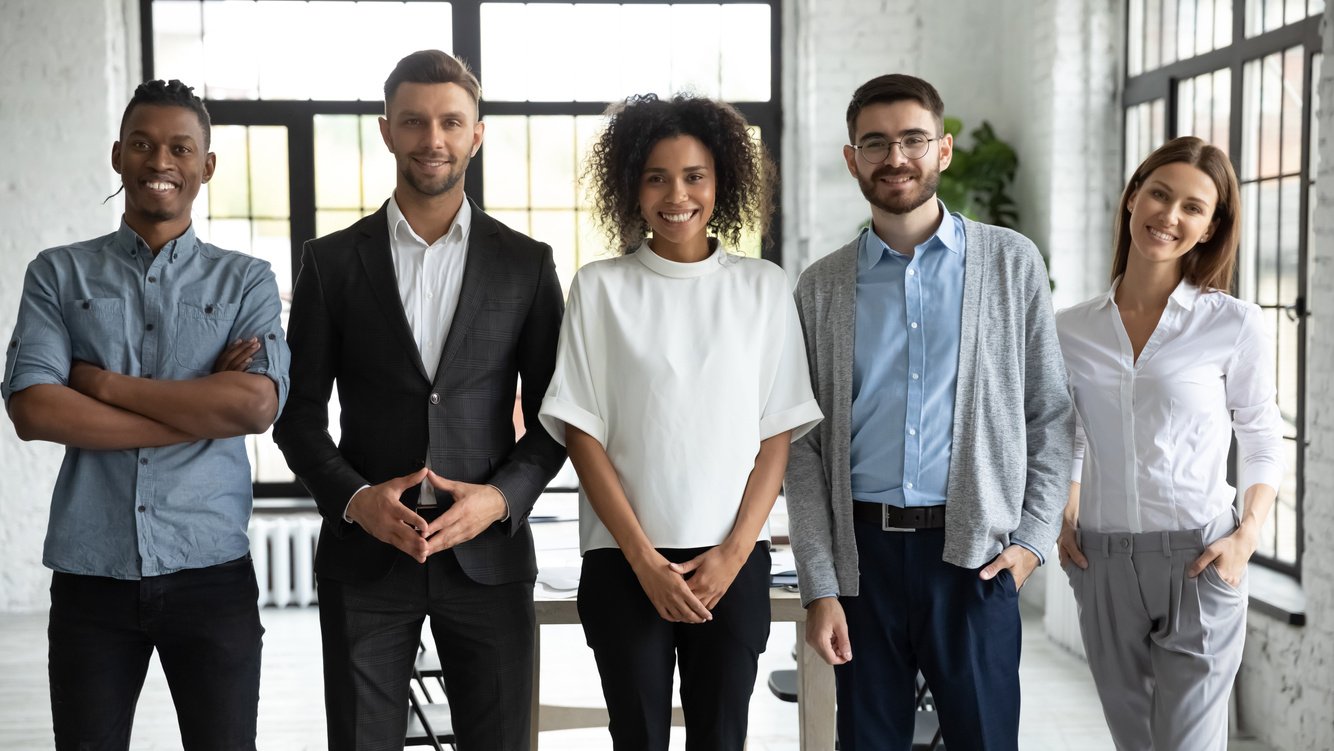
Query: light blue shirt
x=110, y=302
x=905, y=366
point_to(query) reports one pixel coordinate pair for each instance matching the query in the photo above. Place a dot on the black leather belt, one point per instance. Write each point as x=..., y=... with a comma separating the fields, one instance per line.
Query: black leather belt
x=895, y=519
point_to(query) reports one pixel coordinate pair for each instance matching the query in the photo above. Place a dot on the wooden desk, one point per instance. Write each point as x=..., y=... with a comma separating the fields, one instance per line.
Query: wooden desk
x=815, y=697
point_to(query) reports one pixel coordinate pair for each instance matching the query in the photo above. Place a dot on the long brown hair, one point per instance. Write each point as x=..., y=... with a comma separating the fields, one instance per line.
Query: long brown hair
x=1209, y=264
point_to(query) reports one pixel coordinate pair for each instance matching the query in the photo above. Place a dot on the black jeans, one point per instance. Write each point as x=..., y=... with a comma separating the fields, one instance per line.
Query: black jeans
x=204, y=624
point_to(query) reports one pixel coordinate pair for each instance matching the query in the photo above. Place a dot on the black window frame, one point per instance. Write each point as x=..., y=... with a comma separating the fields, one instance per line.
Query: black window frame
x=298, y=116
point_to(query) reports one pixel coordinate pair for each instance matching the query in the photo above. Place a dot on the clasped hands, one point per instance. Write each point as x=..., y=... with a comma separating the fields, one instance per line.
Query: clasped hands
x=687, y=592
x=377, y=510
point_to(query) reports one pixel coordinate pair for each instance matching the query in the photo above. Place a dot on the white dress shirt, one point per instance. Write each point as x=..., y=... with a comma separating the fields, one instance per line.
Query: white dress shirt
x=679, y=370
x=1152, y=437
x=429, y=280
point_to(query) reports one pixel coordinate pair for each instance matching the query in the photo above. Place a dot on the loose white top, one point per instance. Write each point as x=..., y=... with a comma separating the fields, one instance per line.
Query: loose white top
x=679, y=370
x=1152, y=438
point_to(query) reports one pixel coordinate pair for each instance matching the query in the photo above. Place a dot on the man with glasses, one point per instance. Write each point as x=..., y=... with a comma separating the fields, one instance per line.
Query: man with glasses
x=935, y=485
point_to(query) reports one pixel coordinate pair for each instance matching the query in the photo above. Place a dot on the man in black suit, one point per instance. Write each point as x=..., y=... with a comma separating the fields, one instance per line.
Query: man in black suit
x=425, y=313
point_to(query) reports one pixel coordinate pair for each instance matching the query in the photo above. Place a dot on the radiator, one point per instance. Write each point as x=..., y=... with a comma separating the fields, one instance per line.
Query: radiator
x=283, y=548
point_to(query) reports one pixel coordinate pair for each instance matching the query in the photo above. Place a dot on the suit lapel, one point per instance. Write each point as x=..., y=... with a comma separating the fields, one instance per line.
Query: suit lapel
x=478, y=274
x=376, y=259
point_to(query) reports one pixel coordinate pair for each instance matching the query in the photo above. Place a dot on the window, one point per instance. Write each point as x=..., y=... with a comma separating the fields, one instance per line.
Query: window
x=1239, y=74
x=295, y=87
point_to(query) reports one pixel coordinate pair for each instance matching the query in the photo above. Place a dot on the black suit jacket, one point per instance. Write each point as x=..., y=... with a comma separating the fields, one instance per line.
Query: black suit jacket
x=348, y=326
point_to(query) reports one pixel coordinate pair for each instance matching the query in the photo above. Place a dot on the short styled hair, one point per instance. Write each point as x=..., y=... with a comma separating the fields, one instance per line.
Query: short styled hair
x=1209, y=265
x=891, y=88
x=744, y=174
x=432, y=66
x=171, y=93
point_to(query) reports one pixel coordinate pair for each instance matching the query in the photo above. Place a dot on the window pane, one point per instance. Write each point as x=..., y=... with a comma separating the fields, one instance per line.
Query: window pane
x=1223, y=23
x=327, y=221
x=1289, y=224
x=379, y=172
x=1170, y=27
x=1266, y=223
x=1204, y=105
x=274, y=49
x=551, y=163
x=698, y=56
x=505, y=163
x=1153, y=10
x=272, y=240
x=1144, y=132
x=229, y=190
x=268, y=172
x=353, y=169
x=1291, y=90
x=1135, y=38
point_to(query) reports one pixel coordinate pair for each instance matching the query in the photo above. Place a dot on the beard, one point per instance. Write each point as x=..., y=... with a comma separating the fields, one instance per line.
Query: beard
x=439, y=185
x=903, y=203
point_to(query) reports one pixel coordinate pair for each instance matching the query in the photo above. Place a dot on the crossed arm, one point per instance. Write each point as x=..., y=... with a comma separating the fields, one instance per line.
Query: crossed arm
x=102, y=410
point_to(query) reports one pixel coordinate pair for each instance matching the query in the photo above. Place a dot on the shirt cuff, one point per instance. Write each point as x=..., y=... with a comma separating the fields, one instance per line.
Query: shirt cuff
x=506, y=517
x=1041, y=558
x=349, y=503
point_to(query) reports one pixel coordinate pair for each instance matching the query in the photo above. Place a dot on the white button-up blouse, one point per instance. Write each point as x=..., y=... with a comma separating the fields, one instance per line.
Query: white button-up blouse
x=1152, y=435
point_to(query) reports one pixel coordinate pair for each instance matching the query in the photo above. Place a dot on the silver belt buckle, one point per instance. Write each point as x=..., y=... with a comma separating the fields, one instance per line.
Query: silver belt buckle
x=884, y=522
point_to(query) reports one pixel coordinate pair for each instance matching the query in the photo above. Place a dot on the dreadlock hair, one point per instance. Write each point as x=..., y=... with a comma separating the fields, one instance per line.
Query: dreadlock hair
x=745, y=175
x=171, y=93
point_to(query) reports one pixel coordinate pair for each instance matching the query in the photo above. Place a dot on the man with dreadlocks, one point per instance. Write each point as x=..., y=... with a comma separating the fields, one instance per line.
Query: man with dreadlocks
x=150, y=354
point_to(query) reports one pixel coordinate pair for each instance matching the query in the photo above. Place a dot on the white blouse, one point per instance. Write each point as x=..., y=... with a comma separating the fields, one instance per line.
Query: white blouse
x=1152, y=437
x=679, y=370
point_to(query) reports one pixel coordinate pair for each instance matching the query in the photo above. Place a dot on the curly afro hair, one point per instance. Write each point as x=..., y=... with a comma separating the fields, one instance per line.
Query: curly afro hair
x=745, y=176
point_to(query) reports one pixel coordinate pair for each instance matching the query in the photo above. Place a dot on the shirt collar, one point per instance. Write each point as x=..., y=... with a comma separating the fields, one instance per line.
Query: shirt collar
x=949, y=235
x=399, y=223
x=129, y=242
x=677, y=270
x=1184, y=295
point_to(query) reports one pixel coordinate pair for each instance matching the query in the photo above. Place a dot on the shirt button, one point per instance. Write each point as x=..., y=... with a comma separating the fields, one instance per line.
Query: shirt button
x=913, y=324
x=152, y=279
x=87, y=305
x=435, y=398
x=143, y=508
x=915, y=376
x=908, y=485
x=149, y=327
x=272, y=337
x=208, y=308
x=912, y=272
x=1125, y=543
x=143, y=460
x=912, y=431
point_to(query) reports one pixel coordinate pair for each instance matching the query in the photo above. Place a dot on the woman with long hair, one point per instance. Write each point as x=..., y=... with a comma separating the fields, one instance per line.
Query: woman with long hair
x=681, y=379
x=1164, y=369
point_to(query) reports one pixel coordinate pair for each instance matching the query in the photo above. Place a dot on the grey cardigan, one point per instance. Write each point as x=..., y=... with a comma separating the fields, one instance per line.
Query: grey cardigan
x=1013, y=420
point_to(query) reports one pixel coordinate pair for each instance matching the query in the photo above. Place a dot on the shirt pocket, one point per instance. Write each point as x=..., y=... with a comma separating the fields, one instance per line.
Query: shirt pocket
x=97, y=334
x=202, y=330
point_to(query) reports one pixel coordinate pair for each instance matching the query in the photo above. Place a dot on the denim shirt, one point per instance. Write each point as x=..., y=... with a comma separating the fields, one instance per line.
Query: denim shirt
x=146, y=512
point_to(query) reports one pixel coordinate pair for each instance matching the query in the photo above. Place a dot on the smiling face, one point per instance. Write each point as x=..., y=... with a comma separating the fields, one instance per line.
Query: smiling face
x=1171, y=213
x=899, y=185
x=162, y=160
x=433, y=132
x=676, y=195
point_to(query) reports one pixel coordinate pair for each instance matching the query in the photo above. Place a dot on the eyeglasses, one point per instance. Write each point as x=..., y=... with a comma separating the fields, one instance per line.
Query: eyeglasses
x=876, y=150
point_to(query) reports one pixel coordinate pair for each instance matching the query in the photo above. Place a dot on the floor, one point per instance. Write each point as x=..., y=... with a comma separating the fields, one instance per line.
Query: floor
x=1060, y=709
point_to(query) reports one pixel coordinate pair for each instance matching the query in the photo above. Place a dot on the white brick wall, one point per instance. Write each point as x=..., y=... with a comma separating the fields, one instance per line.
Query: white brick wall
x=61, y=97
x=1287, y=674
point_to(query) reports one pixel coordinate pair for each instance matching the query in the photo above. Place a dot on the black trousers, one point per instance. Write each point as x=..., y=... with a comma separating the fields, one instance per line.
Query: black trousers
x=636, y=652
x=917, y=612
x=204, y=624
x=484, y=634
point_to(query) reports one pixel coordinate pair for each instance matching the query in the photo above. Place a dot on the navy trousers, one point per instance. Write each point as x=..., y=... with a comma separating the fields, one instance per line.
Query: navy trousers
x=916, y=612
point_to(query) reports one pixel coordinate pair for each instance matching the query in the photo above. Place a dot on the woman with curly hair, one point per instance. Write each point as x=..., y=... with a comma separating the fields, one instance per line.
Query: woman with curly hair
x=680, y=380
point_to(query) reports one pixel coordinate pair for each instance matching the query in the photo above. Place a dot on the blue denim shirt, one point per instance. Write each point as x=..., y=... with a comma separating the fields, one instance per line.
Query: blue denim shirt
x=111, y=302
x=905, y=366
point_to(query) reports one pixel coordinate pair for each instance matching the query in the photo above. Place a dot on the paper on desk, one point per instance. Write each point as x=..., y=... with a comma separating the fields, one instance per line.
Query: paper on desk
x=781, y=559
x=559, y=581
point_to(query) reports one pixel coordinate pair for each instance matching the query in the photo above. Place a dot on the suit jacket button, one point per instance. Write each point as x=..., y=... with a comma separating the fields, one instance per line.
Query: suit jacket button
x=435, y=398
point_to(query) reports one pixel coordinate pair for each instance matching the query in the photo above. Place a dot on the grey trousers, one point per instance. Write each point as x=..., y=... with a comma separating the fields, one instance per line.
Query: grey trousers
x=1163, y=648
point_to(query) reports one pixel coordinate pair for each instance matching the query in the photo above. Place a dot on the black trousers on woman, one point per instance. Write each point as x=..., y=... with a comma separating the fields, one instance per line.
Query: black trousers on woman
x=636, y=652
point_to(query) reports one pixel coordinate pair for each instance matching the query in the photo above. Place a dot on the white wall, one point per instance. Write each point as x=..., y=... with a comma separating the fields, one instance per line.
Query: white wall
x=65, y=84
